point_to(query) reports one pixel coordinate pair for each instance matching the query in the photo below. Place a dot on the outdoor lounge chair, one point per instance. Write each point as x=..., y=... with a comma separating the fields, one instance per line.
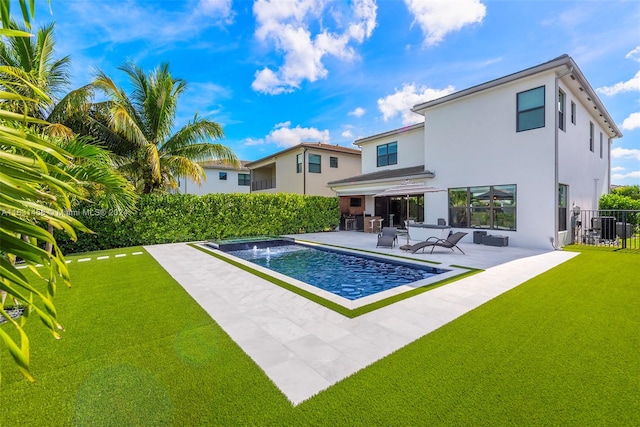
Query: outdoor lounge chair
x=388, y=237
x=450, y=243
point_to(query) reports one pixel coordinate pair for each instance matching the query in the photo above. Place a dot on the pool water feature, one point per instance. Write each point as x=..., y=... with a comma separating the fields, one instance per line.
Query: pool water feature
x=342, y=273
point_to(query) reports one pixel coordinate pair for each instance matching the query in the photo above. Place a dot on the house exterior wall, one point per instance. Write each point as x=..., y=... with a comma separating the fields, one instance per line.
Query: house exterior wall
x=214, y=184
x=473, y=141
x=348, y=165
x=289, y=180
x=583, y=170
x=410, y=150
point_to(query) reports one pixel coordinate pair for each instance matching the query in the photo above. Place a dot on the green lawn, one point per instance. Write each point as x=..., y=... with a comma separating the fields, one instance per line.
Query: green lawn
x=561, y=349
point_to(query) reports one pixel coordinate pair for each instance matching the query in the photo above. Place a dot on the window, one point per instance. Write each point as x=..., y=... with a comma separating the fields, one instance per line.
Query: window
x=244, y=179
x=601, y=145
x=591, y=141
x=573, y=112
x=387, y=154
x=222, y=176
x=355, y=202
x=530, y=109
x=299, y=163
x=563, y=191
x=489, y=207
x=561, y=106
x=314, y=163
x=333, y=162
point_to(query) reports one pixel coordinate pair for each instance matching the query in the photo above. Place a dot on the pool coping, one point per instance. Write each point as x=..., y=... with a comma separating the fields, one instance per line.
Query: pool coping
x=348, y=304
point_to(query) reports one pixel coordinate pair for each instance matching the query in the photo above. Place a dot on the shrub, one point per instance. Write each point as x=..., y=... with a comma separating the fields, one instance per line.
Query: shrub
x=168, y=218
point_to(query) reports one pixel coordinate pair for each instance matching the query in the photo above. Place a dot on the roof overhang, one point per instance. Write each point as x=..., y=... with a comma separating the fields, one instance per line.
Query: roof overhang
x=405, y=129
x=563, y=65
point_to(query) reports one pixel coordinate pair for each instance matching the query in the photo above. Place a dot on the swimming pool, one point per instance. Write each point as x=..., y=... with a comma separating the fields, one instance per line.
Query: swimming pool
x=342, y=273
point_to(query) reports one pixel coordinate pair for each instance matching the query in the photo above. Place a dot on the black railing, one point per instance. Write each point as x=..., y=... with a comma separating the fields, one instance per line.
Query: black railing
x=613, y=228
x=263, y=184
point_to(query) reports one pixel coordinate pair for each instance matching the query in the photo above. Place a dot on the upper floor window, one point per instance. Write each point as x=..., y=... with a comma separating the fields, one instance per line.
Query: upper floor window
x=387, y=154
x=530, y=106
x=222, y=176
x=299, y=163
x=591, y=141
x=244, y=179
x=333, y=162
x=561, y=107
x=573, y=112
x=601, y=145
x=314, y=163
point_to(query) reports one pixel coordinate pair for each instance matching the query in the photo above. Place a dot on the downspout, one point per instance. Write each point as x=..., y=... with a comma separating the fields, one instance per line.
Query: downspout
x=556, y=172
x=610, y=141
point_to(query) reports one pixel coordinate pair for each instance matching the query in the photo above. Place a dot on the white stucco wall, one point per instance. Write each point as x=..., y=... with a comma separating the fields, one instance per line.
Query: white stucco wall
x=584, y=171
x=410, y=150
x=473, y=141
x=213, y=184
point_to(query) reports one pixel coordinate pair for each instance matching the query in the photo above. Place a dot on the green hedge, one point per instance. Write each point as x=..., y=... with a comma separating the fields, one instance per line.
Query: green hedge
x=617, y=202
x=166, y=218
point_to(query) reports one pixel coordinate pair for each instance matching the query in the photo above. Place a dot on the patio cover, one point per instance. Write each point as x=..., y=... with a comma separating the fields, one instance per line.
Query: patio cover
x=408, y=188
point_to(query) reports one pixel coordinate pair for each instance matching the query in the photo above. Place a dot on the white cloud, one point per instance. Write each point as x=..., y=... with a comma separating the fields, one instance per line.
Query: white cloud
x=404, y=99
x=358, y=112
x=621, y=176
x=617, y=169
x=347, y=134
x=437, y=18
x=249, y=142
x=217, y=9
x=631, y=122
x=284, y=136
x=286, y=24
x=634, y=54
x=625, y=153
x=631, y=85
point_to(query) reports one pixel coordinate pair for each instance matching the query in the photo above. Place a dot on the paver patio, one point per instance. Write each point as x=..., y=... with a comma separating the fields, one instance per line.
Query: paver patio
x=304, y=347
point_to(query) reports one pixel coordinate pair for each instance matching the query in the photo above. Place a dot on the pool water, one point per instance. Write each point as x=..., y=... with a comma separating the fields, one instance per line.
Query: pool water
x=349, y=276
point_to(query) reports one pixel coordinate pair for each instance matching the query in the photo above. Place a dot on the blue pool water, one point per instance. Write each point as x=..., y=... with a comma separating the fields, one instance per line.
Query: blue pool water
x=343, y=274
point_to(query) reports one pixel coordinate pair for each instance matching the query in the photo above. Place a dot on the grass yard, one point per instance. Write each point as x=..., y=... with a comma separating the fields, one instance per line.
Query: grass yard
x=561, y=349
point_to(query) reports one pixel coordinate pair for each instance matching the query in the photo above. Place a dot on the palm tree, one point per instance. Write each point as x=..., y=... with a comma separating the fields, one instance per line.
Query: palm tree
x=24, y=204
x=33, y=68
x=139, y=128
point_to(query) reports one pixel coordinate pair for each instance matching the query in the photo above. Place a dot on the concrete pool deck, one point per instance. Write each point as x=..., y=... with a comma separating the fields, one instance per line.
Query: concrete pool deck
x=305, y=348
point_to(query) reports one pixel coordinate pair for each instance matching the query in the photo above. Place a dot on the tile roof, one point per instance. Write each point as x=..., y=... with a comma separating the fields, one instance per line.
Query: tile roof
x=219, y=164
x=315, y=145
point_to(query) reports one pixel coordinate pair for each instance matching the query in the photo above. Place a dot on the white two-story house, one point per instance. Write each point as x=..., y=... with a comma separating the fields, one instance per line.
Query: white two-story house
x=220, y=178
x=513, y=156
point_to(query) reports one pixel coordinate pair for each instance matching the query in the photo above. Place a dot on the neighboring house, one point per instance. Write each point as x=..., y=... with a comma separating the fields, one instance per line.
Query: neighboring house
x=514, y=155
x=304, y=169
x=221, y=178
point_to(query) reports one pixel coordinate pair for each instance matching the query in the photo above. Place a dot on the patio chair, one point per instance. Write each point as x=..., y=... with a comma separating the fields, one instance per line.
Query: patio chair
x=450, y=242
x=388, y=237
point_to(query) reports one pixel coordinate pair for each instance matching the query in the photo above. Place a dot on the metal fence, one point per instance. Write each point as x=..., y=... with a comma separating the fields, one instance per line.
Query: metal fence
x=263, y=184
x=611, y=228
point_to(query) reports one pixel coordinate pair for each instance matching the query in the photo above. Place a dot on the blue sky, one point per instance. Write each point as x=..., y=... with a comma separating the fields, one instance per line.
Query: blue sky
x=276, y=73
